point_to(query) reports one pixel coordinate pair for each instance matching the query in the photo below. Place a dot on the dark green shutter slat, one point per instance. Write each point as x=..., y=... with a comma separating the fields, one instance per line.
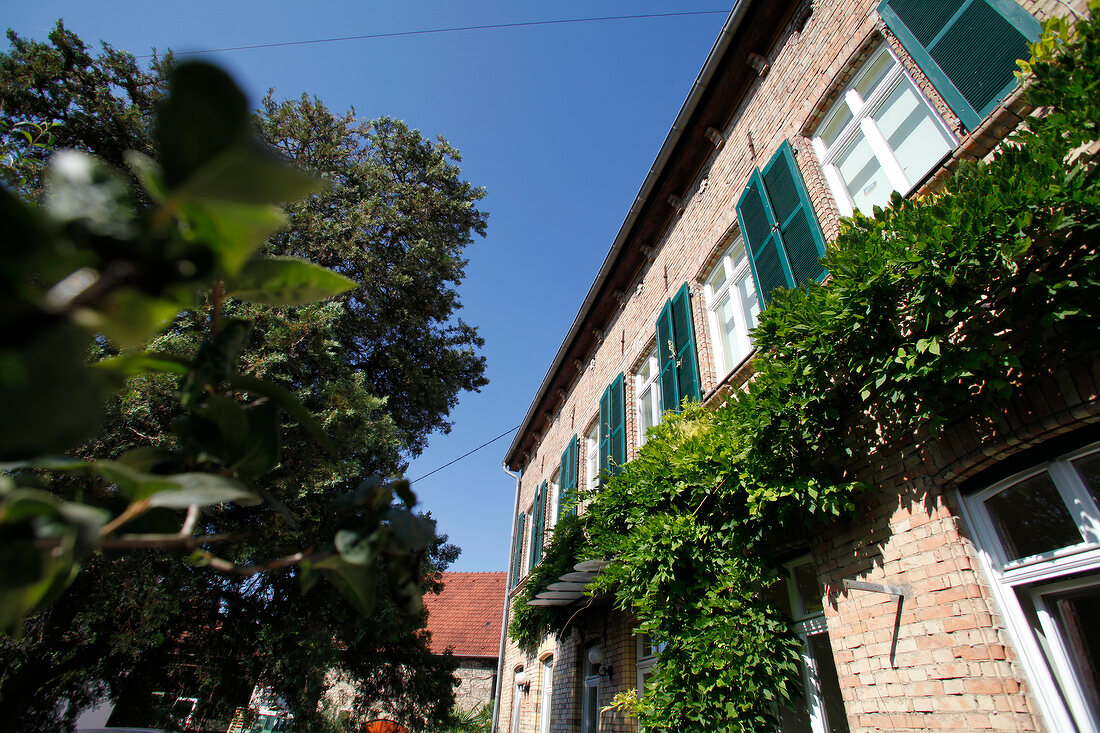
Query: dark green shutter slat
x=567, y=477
x=801, y=237
x=760, y=231
x=517, y=549
x=683, y=328
x=605, y=430
x=618, y=425
x=926, y=18
x=968, y=48
x=666, y=359
x=538, y=524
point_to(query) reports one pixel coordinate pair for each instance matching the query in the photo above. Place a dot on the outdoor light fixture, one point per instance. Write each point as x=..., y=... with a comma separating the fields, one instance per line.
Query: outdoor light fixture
x=597, y=659
x=523, y=681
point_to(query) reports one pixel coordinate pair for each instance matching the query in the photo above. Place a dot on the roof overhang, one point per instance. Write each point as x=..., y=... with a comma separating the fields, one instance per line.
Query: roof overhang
x=751, y=28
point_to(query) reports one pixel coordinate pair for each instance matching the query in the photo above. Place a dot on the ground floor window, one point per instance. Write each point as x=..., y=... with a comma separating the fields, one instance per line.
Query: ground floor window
x=590, y=694
x=547, y=694
x=1038, y=535
x=822, y=708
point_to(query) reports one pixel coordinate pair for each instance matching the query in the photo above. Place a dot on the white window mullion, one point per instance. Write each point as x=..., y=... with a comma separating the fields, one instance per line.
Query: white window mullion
x=885, y=155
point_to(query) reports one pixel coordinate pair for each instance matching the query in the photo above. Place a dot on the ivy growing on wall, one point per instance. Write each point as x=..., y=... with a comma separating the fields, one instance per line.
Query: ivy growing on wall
x=937, y=307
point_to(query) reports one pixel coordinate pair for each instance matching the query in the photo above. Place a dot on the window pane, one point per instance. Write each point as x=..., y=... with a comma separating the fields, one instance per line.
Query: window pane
x=874, y=73
x=646, y=416
x=836, y=123
x=727, y=327
x=718, y=277
x=1031, y=518
x=831, y=700
x=749, y=304
x=1089, y=468
x=809, y=591
x=1076, y=613
x=863, y=174
x=908, y=126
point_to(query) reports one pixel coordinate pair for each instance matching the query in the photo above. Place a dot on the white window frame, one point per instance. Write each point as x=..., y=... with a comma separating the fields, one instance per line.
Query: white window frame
x=648, y=654
x=547, y=667
x=862, y=111
x=735, y=266
x=592, y=458
x=517, y=700
x=1018, y=583
x=648, y=391
x=590, y=695
x=808, y=624
x=553, y=500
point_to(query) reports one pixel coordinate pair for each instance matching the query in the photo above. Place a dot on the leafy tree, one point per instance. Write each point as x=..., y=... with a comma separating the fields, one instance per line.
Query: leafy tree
x=378, y=369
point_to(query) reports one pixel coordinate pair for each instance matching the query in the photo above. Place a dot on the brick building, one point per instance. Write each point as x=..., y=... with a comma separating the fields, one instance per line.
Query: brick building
x=464, y=618
x=940, y=608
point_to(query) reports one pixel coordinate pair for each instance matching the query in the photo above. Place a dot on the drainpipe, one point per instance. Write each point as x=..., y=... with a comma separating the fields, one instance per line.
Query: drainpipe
x=504, y=614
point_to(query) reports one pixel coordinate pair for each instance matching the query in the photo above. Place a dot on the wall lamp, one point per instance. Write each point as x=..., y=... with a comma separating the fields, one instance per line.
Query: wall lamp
x=597, y=659
x=523, y=681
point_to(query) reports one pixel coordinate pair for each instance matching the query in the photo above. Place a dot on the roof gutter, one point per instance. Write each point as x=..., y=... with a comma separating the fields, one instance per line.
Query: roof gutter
x=733, y=22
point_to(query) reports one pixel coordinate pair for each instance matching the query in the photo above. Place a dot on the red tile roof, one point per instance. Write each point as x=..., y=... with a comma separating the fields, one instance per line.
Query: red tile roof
x=465, y=616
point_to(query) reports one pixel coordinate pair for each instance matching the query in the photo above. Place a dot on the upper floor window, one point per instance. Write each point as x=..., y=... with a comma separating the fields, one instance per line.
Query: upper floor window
x=880, y=136
x=554, y=500
x=518, y=569
x=966, y=48
x=649, y=395
x=1039, y=536
x=732, y=307
x=592, y=458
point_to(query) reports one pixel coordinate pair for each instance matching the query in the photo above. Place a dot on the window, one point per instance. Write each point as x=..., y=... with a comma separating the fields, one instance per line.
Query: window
x=612, y=427
x=967, y=48
x=567, y=476
x=676, y=350
x=649, y=651
x=590, y=694
x=823, y=711
x=547, y=694
x=538, y=525
x=649, y=396
x=1039, y=536
x=517, y=549
x=592, y=459
x=881, y=136
x=554, y=500
x=517, y=699
x=782, y=236
x=732, y=307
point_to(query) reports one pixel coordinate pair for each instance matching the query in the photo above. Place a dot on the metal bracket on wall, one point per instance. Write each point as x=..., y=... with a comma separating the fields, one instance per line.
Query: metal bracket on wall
x=904, y=591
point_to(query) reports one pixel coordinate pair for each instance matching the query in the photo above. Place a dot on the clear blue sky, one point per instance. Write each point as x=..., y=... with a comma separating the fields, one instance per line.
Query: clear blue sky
x=560, y=123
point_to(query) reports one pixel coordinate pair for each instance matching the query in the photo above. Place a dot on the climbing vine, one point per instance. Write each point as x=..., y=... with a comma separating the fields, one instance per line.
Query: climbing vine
x=937, y=302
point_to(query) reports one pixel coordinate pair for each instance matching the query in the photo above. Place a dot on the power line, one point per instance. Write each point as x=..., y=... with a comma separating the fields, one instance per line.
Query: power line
x=456, y=29
x=467, y=453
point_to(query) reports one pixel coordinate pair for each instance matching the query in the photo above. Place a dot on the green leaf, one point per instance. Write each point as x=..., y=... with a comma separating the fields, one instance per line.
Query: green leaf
x=149, y=174
x=232, y=231
x=204, y=114
x=85, y=192
x=357, y=546
x=132, y=365
x=355, y=582
x=128, y=316
x=289, y=402
x=287, y=281
x=203, y=489
x=412, y=532
x=248, y=173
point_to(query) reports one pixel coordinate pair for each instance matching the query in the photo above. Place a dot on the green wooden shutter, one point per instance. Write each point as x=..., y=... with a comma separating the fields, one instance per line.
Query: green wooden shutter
x=784, y=240
x=618, y=425
x=517, y=549
x=687, y=363
x=538, y=524
x=613, y=427
x=968, y=48
x=666, y=359
x=567, y=477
